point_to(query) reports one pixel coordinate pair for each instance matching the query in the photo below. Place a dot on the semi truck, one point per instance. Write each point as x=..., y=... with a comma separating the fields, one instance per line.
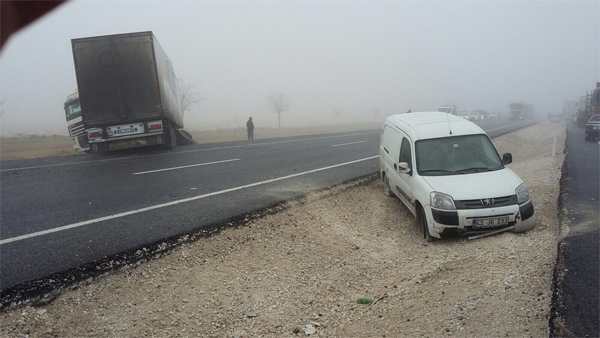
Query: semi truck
x=127, y=93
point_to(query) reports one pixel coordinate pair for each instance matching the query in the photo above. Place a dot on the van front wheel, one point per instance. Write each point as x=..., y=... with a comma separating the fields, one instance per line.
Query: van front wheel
x=422, y=223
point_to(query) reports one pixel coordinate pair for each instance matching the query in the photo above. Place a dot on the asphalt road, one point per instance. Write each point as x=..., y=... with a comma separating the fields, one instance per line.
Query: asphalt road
x=577, y=298
x=60, y=213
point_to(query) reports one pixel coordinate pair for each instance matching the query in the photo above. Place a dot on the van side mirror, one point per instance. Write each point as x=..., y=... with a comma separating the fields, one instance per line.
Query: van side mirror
x=507, y=158
x=403, y=168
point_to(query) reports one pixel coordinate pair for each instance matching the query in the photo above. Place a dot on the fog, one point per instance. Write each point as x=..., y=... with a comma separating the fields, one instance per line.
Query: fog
x=336, y=62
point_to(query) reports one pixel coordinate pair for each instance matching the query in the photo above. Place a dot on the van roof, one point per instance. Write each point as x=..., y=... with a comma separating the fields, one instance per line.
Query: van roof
x=426, y=125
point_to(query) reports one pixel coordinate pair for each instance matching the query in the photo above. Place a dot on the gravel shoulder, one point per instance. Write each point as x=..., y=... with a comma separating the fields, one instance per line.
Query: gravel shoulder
x=310, y=263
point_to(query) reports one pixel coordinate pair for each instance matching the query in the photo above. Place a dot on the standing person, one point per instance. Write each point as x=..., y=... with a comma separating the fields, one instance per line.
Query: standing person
x=250, y=130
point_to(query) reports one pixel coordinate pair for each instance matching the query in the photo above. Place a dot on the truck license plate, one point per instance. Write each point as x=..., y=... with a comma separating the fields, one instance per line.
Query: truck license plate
x=125, y=129
x=489, y=222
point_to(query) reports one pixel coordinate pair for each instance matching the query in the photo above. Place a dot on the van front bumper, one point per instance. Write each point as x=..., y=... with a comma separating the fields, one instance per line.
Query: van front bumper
x=461, y=221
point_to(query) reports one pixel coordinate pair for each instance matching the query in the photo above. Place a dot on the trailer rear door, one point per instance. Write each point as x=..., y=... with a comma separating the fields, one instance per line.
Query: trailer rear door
x=117, y=80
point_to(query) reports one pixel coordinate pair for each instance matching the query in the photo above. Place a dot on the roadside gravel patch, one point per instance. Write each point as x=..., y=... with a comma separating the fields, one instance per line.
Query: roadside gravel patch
x=304, y=269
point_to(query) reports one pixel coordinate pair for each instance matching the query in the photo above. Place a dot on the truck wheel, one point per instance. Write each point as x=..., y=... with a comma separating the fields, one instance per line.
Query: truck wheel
x=99, y=148
x=171, y=137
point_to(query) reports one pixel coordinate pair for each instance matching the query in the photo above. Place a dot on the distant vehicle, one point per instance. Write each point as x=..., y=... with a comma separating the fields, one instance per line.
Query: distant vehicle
x=595, y=99
x=450, y=109
x=128, y=92
x=520, y=110
x=592, y=127
x=588, y=105
x=584, y=110
x=75, y=122
x=448, y=173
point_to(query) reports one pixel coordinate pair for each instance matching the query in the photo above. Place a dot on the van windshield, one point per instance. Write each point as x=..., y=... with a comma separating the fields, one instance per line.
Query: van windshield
x=456, y=155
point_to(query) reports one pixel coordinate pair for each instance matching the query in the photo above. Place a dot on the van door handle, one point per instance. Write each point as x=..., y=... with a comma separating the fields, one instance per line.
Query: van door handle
x=395, y=166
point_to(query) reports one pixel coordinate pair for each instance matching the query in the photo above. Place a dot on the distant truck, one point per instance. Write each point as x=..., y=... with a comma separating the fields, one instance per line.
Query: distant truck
x=520, y=110
x=128, y=95
x=592, y=125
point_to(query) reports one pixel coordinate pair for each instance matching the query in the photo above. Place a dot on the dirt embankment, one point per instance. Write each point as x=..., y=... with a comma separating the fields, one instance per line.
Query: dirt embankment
x=308, y=267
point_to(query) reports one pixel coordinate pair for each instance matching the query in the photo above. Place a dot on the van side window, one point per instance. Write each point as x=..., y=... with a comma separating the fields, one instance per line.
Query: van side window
x=405, y=155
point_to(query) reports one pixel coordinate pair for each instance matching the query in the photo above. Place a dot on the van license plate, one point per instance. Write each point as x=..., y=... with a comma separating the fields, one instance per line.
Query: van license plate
x=489, y=222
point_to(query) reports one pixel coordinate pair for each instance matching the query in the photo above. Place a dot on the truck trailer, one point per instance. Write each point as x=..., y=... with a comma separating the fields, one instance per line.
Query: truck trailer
x=128, y=93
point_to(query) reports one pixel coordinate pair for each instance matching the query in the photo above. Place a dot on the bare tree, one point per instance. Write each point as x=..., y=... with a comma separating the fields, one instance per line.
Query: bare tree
x=188, y=96
x=280, y=104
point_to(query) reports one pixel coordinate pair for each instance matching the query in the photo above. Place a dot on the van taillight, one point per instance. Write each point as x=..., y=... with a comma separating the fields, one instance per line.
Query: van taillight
x=155, y=126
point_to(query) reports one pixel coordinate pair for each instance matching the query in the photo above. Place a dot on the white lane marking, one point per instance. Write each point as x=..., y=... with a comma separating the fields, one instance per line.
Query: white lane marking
x=184, y=166
x=347, y=144
x=176, y=202
x=186, y=151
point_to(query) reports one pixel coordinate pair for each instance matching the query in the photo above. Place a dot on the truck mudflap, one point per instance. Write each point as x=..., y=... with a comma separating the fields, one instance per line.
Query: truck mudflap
x=183, y=137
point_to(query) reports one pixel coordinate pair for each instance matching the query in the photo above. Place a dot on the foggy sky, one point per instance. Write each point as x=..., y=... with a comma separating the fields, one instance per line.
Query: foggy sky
x=350, y=57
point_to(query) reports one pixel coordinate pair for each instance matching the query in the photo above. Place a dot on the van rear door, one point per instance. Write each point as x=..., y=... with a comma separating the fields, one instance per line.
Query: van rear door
x=404, y=181
x=387, y=159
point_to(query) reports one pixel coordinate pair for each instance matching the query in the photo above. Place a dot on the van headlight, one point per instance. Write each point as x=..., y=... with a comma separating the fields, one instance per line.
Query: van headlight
x=442, y=201
x=522, y=193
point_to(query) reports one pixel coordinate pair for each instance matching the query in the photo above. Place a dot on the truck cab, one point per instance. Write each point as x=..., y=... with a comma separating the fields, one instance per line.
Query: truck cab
x=75, y=122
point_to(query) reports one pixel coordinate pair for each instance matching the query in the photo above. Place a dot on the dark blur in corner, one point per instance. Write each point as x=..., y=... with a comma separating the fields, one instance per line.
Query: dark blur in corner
x=15, y=15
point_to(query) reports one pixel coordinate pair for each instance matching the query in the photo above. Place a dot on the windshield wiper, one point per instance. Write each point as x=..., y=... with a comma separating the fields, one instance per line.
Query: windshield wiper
x=474, y=169
x=436, y=170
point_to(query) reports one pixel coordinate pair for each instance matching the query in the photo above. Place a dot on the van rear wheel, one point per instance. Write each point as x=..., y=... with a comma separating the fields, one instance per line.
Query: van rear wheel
x=387, y=190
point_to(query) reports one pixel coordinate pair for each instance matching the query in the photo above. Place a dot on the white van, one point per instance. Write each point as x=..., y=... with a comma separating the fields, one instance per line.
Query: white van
x=448, y=173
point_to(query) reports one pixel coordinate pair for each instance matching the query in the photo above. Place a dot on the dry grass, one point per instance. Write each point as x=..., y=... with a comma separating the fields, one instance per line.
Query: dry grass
x=226, y=135
x=35, y=146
